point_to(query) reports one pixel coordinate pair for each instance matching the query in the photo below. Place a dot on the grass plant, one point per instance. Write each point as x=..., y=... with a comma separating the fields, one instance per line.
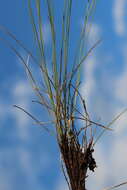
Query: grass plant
x=60, y=94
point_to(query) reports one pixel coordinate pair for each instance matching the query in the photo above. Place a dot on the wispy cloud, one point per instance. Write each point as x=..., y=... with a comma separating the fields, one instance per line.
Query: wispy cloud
x=98, y=179
x=18, y=169
x=106, y=96
x=46, y=33
x=120, y=94
x=94, y=33
x=121, y=80
x=32, y=168
x=111, y=166
x=119, y=11
x=20, y=165
x=21, y=93
x=89, y=81
x=91, y=63
x=21, y=89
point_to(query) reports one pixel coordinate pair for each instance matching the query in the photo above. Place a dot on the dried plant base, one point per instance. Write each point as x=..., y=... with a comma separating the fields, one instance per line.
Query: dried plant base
x=76, y=162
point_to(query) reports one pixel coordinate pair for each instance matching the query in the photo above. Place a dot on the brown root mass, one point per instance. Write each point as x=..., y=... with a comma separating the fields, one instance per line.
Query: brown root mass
x=77, y=161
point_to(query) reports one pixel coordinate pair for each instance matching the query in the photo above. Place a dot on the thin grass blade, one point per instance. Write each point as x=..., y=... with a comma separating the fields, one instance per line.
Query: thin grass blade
x=116, y=186
x=54, y=60
x=111, y=123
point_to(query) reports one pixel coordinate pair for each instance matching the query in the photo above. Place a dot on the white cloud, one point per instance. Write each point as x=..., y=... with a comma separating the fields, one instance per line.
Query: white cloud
x=7, y=172
x=90, y=64
x=18, y=160
x=106, y=163
x=119, y=11
x=21, y=94
x=111, y=161
x=3, y=109
x=118, y=159
x=4, y=184
x=121, y=90
x=94, y=33
x=22, y=120
x=16, y=165
x=111, y=168
x=107, y=103
x=120, y=95
x=21, y=89
x=88, y=86
x=120, y=126
x=121, y=80
x=30, y=168
x=46, y=33
x=97, y=180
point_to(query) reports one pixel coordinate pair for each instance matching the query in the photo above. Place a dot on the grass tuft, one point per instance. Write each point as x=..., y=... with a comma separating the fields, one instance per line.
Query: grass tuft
x=60, y=94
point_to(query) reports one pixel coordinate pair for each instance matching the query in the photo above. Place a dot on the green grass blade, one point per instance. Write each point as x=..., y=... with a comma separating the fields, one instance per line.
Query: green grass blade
x=83, y=59
x=62, y=44
x=77, y=69
x=41, y=40
x=34, y=25
x=54, y=60
x=86, y=26
x=25, y=63
x=66, y=34
x=40, y=43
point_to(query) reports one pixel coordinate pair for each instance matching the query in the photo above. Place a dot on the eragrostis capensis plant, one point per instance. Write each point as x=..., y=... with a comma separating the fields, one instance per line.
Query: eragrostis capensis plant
x=60, y=93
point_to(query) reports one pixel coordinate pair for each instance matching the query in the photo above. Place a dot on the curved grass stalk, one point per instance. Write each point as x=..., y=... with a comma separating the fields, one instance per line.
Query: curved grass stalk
x=76, y=69
x=60, y=94
x=111, y=123
x=66, y=48
x=54, y=60
x=33, y=117
x=85, y=30
x=6, y=31
x=115, y=186
x=40, y=43
x=81, y=44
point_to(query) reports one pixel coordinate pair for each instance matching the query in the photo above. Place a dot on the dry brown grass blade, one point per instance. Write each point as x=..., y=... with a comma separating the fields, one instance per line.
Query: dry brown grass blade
x=62, y=91
x=33, y=117
x=5, y=30
x=116, y=186
x=110, y=124
x=92, y=122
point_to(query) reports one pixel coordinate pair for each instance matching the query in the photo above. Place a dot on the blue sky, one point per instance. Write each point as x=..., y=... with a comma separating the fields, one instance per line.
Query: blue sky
x=29, y=157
